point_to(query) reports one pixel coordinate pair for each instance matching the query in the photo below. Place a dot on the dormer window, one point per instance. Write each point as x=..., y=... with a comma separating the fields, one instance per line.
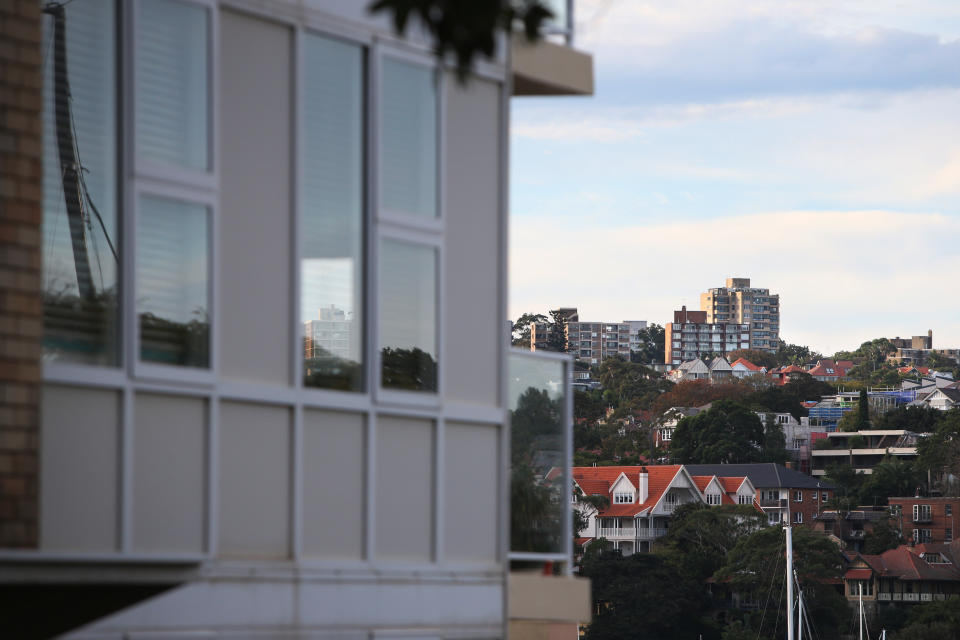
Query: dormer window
x=713, y=498
x=623, y=497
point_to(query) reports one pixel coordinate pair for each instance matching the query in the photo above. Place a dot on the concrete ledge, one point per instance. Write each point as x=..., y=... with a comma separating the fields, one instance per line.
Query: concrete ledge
x=549, y=69
x=550, y=599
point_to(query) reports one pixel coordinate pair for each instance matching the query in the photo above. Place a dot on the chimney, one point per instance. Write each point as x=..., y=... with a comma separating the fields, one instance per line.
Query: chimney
x=643, y=486
x=929, y=338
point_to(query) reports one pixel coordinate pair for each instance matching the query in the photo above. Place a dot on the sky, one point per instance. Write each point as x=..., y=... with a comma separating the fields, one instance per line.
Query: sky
x=812, y=146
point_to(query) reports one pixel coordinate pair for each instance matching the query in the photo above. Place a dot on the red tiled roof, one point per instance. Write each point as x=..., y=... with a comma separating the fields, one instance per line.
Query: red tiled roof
x=821, y=370
x=793, y=369
x=659, y=478
x=905, y=563
x=732, y=484
x=746, y=363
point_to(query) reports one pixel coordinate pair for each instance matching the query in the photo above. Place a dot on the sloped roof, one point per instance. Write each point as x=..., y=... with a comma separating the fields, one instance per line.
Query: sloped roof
x=905, y=563
x=720, y=364
x=762, y=475
x=746, y=364
x=600, y=479
x=825, y=370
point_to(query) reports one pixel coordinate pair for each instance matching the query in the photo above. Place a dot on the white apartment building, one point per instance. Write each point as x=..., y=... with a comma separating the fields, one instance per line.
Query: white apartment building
x=246, y=164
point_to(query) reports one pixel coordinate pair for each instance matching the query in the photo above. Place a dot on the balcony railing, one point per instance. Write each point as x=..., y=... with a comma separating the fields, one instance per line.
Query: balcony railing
x=651, y=533
x=923, y=517
x=618, y=532
x=773, y=502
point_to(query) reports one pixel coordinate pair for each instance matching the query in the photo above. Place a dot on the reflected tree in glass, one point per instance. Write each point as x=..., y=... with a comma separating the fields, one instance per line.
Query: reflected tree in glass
x=537, y=476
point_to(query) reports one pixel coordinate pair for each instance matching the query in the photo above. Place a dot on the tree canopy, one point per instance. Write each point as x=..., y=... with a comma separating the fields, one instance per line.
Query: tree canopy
x=651, y=348
x=728, y=432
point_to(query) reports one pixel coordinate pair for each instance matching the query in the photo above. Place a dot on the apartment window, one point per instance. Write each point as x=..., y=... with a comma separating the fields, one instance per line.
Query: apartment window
x=81, y=187
x=408, y=139
x=798, y=517
x=744, y=499
x=773, y=517
x=332, y=210
x=408, y=315
x=411, y=231
x=948, y=535
x=921, y=512
x=948, y=510
x=713, y=498
x=623, y=497
x=173, y=152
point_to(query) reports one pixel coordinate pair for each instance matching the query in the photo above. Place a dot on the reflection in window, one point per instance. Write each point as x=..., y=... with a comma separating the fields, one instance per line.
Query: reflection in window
x=172, y=84
x=408, y=316
x=332, y=227
x=172, y=282
x=538, y=482
x=408, y=139
x=80, y=239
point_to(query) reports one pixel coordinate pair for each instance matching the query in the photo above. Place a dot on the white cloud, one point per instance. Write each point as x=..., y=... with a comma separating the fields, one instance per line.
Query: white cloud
x=843, y=276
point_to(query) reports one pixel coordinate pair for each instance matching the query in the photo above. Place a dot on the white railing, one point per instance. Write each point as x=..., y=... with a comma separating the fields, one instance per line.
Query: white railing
x=884, y=596
x=617, y=532
x=651, y=533
x=911, y=597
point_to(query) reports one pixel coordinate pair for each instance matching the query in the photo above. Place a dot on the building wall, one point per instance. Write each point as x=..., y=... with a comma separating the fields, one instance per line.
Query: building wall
x=298, y=499
x=739, y=302
x=20, y=308
x=941, y=522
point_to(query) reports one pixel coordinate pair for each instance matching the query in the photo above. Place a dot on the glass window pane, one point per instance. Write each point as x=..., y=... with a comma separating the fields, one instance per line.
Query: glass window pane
x=80, y=231
x=408, y=139
x=408, y=316
x=331, y=294
x=172, y=84
x=539, y=482
x=172, y=276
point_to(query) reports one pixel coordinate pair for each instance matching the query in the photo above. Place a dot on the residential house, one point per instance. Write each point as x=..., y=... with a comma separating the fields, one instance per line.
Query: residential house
x=695, y=369
x=927, y=519
x=785, y=495
x=798, y=436
x=827, y=370
x=781, y=375
x=742, y=368
x=943, y=398
x=641, y=501
x=212, y=175
x=907, y=574
x=720, y=370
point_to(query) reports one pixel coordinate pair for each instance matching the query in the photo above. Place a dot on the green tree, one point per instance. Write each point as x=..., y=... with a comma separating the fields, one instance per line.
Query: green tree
x=756, y=356
x=939, y=453
x=588, y=405
x=937, y=620
x=891, y=477
x=520, y=330
x=466, y=29
x=795, y=354
x=630, y=385
x=774, y=447
x=639, y=596
x=727, y=433
x=756, y=568
x=918, y=419
x=700, y=537
x=884, y=536
x=557, y=332
x=651, y=341
x=863, y=411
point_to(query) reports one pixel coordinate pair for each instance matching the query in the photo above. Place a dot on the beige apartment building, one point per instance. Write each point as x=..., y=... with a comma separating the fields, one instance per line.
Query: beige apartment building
x=740, y=303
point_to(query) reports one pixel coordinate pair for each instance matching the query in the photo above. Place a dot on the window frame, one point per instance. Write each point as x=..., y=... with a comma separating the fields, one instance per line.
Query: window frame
x=412, y=229
x=191, y=186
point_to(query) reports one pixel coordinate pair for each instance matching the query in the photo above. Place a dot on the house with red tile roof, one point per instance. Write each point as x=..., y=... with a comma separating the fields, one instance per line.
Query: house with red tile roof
x=907, y=574
x=743, y=368
x=641, y=501
x=781, y=375
x=643, y=498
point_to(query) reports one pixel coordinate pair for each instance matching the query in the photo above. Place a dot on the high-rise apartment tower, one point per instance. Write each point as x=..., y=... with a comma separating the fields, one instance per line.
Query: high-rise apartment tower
x=740, y=303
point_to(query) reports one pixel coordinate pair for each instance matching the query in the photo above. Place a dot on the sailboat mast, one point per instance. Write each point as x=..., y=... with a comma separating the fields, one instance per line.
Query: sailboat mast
x=66, y=145
x=799, y=613
x=789, y=582
x=860, y=594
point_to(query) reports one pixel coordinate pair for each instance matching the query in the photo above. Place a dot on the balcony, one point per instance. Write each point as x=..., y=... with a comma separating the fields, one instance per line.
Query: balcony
x=651, y=533
x=773, y=502
x=547, y=68
x=618, y=532
x=923, y=518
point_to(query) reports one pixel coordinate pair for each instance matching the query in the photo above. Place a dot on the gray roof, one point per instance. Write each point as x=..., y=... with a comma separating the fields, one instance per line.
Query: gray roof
x=763, y=475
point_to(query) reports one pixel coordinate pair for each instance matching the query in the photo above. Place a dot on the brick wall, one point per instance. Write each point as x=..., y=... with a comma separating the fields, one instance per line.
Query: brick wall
x=20, y=305
x=808, y=506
